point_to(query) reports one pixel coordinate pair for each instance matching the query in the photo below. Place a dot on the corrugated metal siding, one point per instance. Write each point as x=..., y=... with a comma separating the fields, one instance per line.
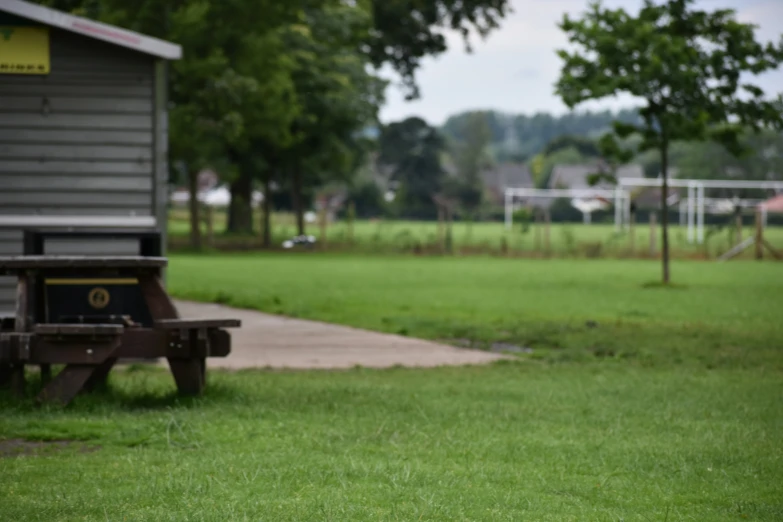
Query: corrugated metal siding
x=78, y=141
x=161, y=154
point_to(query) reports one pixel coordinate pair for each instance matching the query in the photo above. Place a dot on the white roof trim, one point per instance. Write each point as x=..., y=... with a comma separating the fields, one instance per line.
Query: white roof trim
x=99, y=31
x=63, y=221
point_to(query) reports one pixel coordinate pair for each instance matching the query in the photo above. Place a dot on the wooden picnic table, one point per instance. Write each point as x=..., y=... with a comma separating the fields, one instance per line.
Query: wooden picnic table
x=90, y=347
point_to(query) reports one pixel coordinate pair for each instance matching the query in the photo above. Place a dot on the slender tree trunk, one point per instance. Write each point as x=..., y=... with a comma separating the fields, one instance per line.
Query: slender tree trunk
x=266, y=225
x=652, y=234
x=547, y=231
x=759, y=236
x=296, y=198
x=449, y=238
x=323, y=223
x=240, y=213
x=193, y=207
x=209, y=218
x=442, y=227
x=665, y=210
x=351, y=217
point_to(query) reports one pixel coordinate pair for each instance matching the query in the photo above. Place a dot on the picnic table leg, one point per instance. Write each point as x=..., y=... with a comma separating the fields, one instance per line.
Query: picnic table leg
x=156, y=298
x=46, y=373
x=5, y=375
x=188, y=373
x=18, y=383
x=100, y=376
x=196, y=338
x=78, y=377
x=12, y=377
x=67, y=384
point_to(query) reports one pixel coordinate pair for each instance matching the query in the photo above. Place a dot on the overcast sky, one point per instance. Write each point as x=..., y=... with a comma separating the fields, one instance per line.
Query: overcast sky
x=514, y=69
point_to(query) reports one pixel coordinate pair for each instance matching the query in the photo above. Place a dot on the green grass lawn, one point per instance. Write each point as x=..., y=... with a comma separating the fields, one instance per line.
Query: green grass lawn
x=723, y=313
x=507, y=442
x=638, y=403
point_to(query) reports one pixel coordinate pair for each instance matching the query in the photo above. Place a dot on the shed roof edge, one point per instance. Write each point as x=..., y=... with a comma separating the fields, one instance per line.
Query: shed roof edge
x=92, y=29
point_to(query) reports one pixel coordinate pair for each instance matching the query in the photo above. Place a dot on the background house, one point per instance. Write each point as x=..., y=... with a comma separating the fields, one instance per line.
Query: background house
x=577, y=176
x=505, y=175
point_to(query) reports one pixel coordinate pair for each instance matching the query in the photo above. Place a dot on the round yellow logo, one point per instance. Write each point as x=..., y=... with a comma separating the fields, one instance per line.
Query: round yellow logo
x=98, y=297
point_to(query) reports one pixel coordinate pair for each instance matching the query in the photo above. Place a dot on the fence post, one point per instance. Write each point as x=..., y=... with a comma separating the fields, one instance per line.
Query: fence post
x=652, y=233
x=537, y=230
x=759, y=236
x=441, y=228
x=322, y=223
x=351, y=218
x=209, y=215
x=449, y=242
x=547, y=223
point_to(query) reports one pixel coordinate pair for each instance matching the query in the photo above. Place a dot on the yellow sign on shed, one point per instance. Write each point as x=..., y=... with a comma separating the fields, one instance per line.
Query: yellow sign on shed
x=24, y=50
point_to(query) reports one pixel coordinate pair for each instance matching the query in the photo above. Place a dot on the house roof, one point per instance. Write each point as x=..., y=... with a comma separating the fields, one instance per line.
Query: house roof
x=504, y=175
x=576, y=176
x=650, y=197
x=773, y=205
x=92, y=29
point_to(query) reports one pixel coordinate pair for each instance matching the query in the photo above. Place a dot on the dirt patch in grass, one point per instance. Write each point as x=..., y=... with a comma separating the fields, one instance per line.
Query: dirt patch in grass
x=22, y=447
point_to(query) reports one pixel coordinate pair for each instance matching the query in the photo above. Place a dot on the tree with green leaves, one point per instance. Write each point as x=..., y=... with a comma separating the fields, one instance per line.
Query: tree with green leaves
x=267, y=112
x=231, y=88
x=585, y=146
x=235, y=78
x=411, y=149
x=689, y=67
x=711, y=160
x=471, y=157
x=338, y=94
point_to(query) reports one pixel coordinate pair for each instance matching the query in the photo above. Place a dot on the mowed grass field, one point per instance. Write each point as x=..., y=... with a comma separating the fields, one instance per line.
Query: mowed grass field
x=508, y=442
x=568, y=308
x=565, y=239
x=636, y=403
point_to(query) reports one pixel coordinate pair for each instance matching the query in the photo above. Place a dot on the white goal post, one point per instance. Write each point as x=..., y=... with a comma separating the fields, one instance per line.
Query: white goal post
x=695, y=200
x=511, y=193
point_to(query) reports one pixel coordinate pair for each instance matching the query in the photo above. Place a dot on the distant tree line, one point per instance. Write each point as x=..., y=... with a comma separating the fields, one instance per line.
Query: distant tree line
x=420, y=160
x=520, y=137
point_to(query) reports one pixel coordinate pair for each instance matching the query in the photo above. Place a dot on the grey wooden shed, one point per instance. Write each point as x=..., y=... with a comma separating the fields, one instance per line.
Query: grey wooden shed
x=83, y=130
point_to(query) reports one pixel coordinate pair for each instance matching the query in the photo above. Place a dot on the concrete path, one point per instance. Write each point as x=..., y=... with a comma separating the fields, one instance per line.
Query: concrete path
x=277, y=342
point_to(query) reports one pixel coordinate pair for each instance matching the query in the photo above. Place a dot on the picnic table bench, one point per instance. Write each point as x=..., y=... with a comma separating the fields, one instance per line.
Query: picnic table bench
x=72, y=311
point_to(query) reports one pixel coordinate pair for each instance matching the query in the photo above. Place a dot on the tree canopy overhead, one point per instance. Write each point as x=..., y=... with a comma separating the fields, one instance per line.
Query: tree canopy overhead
x=689, y=67
x=405, y=31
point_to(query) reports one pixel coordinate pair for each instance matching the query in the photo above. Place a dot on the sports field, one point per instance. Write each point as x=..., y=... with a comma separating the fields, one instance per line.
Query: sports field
x=629, y=402
x=565, y=239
